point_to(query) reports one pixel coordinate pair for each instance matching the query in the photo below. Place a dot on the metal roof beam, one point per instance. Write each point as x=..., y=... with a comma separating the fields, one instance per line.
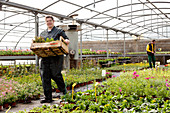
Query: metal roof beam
x=35, y=10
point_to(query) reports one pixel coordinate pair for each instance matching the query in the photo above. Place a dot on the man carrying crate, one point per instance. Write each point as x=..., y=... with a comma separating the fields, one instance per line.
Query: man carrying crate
x=50, y=67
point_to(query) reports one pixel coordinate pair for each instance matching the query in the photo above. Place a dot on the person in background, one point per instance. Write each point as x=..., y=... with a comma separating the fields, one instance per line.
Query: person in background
x=50, y=67
x=151, y=51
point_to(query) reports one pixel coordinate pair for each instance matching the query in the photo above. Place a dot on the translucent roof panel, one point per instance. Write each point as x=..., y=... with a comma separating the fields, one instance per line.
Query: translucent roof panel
x=148, y=19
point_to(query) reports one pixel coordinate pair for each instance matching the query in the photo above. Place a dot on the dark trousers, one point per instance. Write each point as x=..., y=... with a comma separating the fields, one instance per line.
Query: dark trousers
x=50, y=68
x=151, y=59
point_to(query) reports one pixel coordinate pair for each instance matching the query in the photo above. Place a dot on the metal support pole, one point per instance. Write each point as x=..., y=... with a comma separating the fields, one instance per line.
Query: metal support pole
x=166, y=31
x=151, y=19
x=164, y=62
x=36, y=35
x=81, y=46
x=144, y=13
x=117, y=8
x=107, y=44
x=124, y=47
x=162, y=27
x=131, y=11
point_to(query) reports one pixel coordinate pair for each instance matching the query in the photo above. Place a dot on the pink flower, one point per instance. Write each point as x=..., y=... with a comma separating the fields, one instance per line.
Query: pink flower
x=147, y=78
x=120, y=89
x=166, y=80
x=107, y=73
x=10, y=88
x=134, y=73
x=3, y=93
x=134, y=77
x=137, y=75
x=113, y=76
x=152, y=77
x=167, y=85
x=164, y=76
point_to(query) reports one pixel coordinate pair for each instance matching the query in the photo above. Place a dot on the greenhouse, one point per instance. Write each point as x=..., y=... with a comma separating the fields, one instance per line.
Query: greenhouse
x=84, y=56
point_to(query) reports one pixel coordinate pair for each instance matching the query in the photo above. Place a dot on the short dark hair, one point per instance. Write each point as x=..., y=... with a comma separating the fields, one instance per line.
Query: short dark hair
x=153, y=40
x=49, y=17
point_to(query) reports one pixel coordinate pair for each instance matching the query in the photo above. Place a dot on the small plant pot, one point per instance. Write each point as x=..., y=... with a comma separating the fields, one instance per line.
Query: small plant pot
x=53, y=90
x=38, y=97
x=63, y=103
x=13, y=104
x=20, y=101
x=68, y=88
x=57, y=91
x=97, y=80
x=85, y=83
x=1, y=108
x=6, y=105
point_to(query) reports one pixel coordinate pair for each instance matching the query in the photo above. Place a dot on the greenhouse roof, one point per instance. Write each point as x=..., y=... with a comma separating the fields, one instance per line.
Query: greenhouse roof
x=132, y=19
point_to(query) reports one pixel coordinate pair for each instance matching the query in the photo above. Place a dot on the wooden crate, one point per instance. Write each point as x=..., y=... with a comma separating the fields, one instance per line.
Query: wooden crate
x=50, y=48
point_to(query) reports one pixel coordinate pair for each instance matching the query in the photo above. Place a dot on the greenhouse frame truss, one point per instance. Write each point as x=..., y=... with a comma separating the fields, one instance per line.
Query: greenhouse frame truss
x=152, y=15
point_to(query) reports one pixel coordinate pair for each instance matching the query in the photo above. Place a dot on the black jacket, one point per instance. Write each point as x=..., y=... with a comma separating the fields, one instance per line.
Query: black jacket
x=55, y=33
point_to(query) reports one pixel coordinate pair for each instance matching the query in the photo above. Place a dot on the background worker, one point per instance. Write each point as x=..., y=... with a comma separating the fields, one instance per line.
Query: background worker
x=151, y=51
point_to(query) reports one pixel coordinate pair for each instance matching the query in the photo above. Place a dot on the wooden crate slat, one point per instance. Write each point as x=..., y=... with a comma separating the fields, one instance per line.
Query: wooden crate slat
x=46, y=50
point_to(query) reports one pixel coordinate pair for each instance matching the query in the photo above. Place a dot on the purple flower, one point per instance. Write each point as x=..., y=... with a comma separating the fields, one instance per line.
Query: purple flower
x=102, y=85
x=167, y=88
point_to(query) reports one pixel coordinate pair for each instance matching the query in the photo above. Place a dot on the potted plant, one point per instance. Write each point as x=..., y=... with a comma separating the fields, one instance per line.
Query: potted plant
x=1, y=103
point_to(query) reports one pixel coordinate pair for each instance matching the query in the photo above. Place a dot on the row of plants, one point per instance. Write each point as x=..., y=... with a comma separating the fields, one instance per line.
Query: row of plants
x=30, y=86
x=19, y=90
x=18, y=70
x=113, y=59
x=11, y=52
x=26, y=52
x=158, y=52
x=139, y=91
x=128, y=67
x=95, y=52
